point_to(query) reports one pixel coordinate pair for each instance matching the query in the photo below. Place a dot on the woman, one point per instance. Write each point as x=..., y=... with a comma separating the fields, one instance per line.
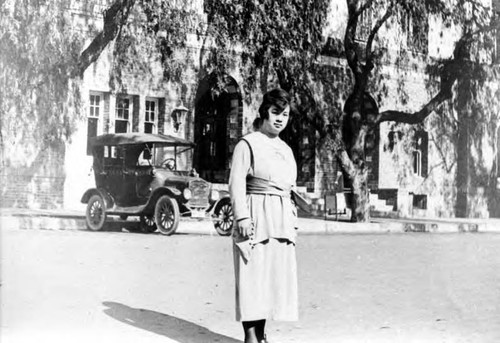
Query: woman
x=263, y=173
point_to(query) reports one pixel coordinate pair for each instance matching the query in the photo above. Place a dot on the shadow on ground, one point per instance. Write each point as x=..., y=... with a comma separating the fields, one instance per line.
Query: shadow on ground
x=120, y=225
x=172, y=327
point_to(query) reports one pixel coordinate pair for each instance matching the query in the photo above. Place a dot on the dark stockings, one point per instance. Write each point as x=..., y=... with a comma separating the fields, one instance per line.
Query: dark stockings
x=254, y=331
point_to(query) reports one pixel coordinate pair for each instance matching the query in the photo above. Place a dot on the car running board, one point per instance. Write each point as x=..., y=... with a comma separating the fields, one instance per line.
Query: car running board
x=131, y=210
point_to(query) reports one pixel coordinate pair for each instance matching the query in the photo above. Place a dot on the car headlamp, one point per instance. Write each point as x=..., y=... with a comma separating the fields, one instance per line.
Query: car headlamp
x=214, y=195
x=186, y=193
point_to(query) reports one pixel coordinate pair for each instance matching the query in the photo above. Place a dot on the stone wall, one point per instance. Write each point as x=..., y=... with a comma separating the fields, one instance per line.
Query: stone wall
x=38, y=183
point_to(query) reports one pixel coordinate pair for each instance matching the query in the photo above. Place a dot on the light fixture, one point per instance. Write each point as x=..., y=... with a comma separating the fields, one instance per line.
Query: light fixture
x=178, y=115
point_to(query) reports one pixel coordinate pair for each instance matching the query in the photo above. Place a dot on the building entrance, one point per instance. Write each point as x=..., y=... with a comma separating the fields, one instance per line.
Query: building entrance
x=218, y=126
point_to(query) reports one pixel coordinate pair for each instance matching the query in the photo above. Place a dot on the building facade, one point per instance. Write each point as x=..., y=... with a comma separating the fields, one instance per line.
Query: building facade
x=413, y=169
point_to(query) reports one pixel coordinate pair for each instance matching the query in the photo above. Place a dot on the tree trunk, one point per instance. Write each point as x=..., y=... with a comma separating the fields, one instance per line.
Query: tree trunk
x=360, y=202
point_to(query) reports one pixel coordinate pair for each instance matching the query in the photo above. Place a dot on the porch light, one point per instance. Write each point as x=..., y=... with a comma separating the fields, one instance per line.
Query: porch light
x=178, y=116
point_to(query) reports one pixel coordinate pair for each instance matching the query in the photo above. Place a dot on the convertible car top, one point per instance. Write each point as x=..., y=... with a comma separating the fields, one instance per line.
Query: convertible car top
x=139, y=138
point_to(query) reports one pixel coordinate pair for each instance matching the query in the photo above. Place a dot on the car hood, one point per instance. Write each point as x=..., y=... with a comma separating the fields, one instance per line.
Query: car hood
x=167, y=177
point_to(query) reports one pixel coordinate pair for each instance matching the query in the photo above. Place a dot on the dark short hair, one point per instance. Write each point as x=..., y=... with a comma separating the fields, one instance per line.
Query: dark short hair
x=276, y=97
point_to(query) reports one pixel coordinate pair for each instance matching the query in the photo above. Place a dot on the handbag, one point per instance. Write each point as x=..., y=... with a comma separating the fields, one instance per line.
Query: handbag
x=244, y=244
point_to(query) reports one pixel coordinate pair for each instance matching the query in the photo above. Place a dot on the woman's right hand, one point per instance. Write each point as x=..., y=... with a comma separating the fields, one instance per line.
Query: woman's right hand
x=245, y=227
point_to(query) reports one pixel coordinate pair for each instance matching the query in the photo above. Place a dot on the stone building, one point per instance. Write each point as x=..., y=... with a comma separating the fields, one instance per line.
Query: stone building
x=413, y=172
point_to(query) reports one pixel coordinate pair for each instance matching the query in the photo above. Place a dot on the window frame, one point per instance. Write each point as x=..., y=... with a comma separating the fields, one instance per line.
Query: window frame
x=417, y=39
x=92, y=106
x=129, y=112
x=155, y=112
x=365, y=24
x=420, y=154
x=417, y=162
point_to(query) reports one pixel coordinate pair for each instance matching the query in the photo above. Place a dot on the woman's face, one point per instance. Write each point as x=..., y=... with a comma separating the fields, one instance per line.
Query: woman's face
x=276, y=122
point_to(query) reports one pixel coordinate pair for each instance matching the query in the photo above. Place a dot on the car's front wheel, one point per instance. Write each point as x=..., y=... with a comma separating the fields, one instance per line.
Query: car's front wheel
x=167, y=215
x=147, y=223
x=95, y=215
x=224, y=217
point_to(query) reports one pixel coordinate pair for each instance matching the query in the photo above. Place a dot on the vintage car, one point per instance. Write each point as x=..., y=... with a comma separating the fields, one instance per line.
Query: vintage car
x=136, y=174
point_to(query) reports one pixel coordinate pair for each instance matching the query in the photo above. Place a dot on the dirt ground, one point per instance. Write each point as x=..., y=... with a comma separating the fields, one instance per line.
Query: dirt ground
x=80, y=286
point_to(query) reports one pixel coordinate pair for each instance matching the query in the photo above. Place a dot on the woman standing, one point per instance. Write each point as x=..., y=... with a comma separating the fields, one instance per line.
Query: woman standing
x=263, y=173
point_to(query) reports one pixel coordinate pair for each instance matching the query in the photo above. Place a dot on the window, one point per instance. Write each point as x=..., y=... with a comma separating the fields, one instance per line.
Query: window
x=420, y=201
x=365, y=24
x=416, y=32
x=419, y=154
x=394, y=137
x=150, y=116
x=122, y=118
x=417, y=162
x=93, y=117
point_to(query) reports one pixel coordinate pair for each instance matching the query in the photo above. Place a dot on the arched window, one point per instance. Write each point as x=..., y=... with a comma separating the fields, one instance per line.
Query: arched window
x=420, y=153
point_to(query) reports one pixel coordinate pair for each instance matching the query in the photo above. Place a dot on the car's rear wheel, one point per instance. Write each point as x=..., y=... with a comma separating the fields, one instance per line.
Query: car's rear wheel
x=95, y=215
x=167, y=215
x=147, y=223
x=224, y=217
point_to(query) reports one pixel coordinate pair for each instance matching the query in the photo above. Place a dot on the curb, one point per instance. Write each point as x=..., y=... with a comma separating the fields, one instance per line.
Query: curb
x=42, y=222
x=396, y=226
x=450, y=225
x=307, y=226
x=75, y=223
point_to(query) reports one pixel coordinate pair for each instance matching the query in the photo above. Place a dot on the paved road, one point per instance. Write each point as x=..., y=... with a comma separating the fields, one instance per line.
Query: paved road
x=80, y=286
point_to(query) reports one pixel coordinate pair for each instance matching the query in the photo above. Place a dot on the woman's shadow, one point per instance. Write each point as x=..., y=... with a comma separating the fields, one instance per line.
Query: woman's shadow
x=174, y=328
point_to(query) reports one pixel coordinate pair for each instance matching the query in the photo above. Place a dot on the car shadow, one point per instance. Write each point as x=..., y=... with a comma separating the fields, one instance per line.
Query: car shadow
x=121, y=225
x=178, y=329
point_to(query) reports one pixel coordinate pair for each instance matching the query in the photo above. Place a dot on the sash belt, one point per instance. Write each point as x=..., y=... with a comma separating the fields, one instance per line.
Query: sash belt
x=257, y=185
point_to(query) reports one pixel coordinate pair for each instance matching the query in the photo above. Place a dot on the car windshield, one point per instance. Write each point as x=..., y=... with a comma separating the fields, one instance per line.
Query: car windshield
x=168, y=157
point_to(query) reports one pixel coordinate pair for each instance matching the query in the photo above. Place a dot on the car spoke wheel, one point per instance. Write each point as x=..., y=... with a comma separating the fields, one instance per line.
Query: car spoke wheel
x=147, y=223
x=95, y=215
x=167, y=215
x=223, y=217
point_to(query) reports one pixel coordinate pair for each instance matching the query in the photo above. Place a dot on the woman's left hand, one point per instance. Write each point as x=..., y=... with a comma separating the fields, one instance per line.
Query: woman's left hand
x=245, y=227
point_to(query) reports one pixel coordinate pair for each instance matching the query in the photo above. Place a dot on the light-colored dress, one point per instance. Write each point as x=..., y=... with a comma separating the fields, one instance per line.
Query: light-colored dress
x=266, y=283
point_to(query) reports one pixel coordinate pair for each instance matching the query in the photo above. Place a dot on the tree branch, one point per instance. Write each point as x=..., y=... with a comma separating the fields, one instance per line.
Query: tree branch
x=350, y=39
x=457, y=67
x=416, y=117
x=114, y=18
x=371, y=37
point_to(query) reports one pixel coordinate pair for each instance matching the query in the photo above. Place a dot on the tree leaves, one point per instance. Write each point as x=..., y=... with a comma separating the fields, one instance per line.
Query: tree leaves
x=38, y=53
x=272, y=33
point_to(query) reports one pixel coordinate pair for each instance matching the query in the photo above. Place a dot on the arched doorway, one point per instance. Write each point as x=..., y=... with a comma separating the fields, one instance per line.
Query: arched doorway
x=217, y=126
